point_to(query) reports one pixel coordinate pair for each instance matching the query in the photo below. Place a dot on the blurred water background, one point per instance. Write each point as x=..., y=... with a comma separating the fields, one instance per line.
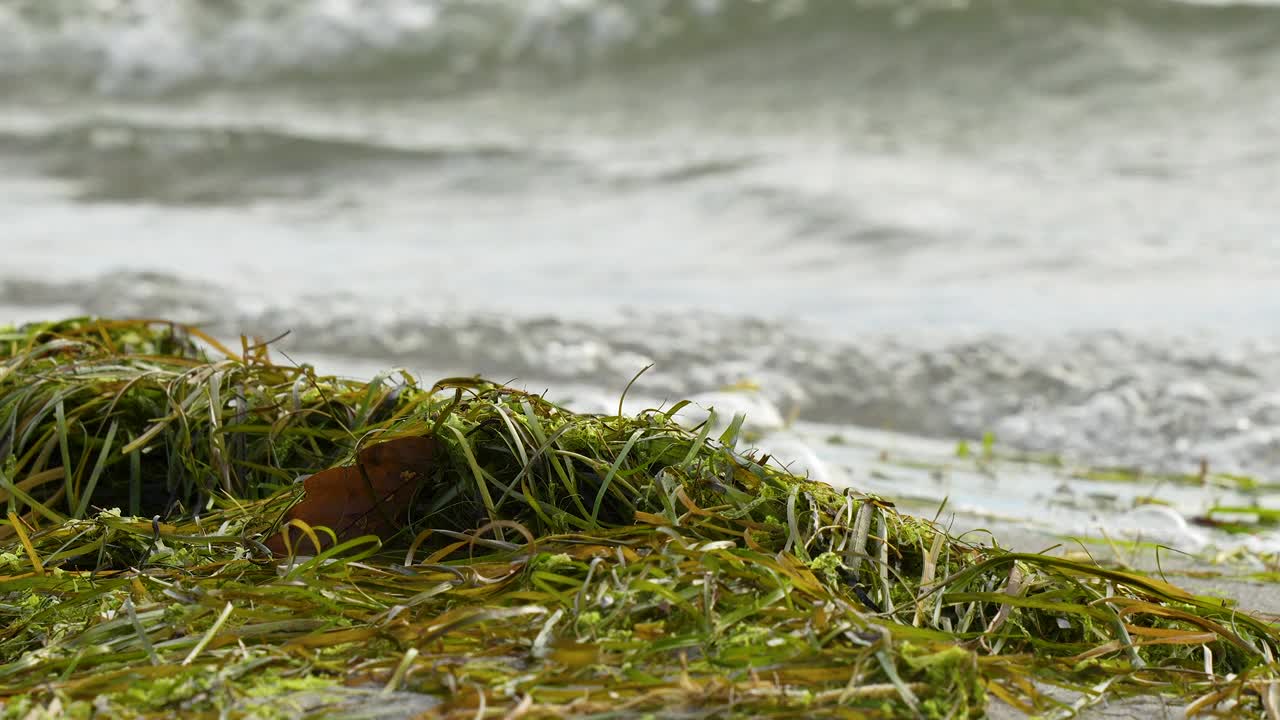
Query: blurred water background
x=1054, y=220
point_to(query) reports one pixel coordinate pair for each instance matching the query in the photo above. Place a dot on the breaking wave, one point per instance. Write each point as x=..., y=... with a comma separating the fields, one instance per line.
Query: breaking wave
x=155, y=47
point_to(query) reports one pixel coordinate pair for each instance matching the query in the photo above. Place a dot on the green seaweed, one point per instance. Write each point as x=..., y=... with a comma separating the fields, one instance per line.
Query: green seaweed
x=552, y=564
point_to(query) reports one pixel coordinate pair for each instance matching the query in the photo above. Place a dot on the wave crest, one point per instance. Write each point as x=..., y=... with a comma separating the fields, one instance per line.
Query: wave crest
x=153, y=47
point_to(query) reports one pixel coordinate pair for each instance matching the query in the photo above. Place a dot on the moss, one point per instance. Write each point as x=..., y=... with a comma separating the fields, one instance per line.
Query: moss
x=158, y=693
x=552, y=563
x=24, y=707
x=747, y=636
x=952, y=667
x=827, y=566
x=271, y=684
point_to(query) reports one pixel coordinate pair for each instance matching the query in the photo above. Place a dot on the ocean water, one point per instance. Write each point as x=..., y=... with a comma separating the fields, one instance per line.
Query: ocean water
x=1053, y=221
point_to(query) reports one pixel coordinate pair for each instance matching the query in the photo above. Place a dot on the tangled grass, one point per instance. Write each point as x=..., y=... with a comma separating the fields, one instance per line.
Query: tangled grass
x=549, y=564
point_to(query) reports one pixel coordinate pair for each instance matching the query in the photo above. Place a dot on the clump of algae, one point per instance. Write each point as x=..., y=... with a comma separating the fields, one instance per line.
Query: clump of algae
x=548, y=564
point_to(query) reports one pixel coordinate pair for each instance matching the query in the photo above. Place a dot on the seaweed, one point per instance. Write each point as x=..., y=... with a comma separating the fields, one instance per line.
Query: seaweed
x=165, y=552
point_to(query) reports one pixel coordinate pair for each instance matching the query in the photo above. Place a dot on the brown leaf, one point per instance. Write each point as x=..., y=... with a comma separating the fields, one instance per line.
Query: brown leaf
x=370, y=497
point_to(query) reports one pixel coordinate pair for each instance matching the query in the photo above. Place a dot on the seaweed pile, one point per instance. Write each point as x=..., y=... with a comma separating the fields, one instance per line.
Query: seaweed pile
x=190, y=529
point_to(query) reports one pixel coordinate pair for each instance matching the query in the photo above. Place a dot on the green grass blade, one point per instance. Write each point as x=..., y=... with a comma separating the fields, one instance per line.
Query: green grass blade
x=613, y=470
x=97, y=472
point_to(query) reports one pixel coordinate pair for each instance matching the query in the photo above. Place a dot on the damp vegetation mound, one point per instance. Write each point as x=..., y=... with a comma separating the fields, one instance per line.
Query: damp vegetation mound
x=196, y=530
